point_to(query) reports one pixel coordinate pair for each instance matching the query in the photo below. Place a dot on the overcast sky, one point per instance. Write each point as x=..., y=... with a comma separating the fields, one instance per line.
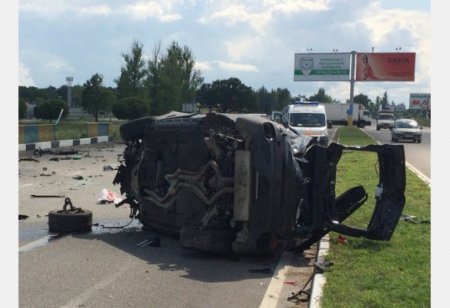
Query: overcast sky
x=254, y=41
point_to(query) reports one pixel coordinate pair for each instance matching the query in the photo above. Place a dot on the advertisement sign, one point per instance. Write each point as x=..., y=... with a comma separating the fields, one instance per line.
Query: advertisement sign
x=420, y=101
x=321, y=66
x=385, y=66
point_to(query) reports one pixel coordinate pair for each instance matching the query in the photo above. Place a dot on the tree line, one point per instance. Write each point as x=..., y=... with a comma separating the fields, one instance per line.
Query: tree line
x=160, y=84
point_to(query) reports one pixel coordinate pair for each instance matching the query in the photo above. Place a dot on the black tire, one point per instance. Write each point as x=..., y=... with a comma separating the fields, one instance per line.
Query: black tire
x=64, y=222
x=378, y=128
x=135, y=129
x=419, y=140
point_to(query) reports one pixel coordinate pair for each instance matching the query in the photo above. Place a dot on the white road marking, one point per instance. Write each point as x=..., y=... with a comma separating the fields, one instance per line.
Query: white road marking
x=273, y=291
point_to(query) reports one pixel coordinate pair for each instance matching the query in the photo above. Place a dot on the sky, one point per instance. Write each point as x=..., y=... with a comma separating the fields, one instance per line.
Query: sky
x=45, y=41
x=252, y=40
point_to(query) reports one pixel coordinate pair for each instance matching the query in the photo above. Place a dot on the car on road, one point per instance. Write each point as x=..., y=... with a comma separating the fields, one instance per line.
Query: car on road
x=243, y=184
x=385, y=119
x=406, y=129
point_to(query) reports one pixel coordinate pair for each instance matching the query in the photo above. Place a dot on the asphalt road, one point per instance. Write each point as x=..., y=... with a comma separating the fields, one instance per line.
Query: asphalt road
x=417, y=154
x=106, y=267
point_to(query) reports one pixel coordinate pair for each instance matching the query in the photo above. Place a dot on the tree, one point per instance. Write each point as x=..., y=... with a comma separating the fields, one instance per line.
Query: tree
x=131, y=108
x=22, y=108
x=133, y=74
x=50, y=109
x=282, y=98
x=229, y=95
x=362, y=99
x=384, y=101
x=321, y=97
x=172, y=79
x=95, y=98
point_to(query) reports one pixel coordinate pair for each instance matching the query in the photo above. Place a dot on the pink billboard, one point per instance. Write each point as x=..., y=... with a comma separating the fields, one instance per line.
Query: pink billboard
x=385, y=66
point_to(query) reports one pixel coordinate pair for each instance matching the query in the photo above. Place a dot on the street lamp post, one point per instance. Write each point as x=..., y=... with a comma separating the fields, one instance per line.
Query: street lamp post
x=69, y=91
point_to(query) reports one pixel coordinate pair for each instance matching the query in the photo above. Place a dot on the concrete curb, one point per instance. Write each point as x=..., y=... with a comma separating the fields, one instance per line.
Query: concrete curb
x=63, y=143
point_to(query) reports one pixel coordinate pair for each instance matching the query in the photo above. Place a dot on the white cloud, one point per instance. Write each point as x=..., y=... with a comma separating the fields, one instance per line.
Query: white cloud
x=51, y=8
x=202, y=66
x=236, y=66
x=151, y=9
x=25, y=78
x=56, y=65
x=260, y=16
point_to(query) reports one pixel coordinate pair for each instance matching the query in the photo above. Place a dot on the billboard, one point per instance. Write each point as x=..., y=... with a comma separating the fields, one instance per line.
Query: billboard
x=385, y=66
x=420, y=101
x=321, y=66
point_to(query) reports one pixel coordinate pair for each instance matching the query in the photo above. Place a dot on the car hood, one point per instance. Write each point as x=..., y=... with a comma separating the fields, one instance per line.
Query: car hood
x=407, y=130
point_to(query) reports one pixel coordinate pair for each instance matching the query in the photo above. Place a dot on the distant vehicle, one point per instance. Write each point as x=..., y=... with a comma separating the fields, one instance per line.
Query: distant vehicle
x=385, y=119
x=338, y=113
x=406, y=129
x=306, y=118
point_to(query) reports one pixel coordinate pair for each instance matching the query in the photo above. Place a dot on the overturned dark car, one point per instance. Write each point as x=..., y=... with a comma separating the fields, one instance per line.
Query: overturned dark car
x=240, y=183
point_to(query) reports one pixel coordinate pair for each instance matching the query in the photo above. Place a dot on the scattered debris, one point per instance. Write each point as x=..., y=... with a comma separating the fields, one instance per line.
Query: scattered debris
x=44, y=169
x=297, y=297
x=292, y=283
x=54, y=159
x=342, y=239
x=265, y=270
x=78, y=177
x=47, y=196
x=413, y=219
x=108, y=196
x=76, y=157
x=108, y=168
x=28, y=159
x=45, y=174
x=153, y=241
x=39, y=152
x=21, y=217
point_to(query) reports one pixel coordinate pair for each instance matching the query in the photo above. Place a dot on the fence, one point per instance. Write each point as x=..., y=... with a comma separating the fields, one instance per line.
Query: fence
x=49, y=132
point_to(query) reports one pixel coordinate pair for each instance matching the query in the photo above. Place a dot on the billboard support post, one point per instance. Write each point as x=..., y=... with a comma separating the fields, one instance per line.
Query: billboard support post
x=352, y=88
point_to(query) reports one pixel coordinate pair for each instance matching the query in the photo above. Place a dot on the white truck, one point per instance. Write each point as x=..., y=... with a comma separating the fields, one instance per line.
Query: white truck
x=385, y=119
x=307, y=118
x=338, y=114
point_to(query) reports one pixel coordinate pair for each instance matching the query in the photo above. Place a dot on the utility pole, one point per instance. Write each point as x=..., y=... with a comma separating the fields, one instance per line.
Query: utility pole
x=69, y=91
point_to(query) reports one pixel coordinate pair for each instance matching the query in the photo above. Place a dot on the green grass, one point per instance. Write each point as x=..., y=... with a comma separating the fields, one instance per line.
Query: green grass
x=373, y=273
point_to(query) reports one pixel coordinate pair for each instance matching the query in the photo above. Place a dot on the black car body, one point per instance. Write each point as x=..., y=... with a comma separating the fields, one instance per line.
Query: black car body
x=244, y=184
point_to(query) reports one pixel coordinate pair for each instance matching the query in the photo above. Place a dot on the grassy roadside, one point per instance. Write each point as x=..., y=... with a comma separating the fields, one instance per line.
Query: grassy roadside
x=379, y=274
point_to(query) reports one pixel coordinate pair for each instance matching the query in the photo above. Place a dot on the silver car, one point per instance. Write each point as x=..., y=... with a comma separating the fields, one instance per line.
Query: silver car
x=406, y=129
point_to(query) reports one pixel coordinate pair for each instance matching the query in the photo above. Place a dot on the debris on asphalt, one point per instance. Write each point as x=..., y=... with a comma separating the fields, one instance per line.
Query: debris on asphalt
x=108, y=168
x=292, y=283
x=39, y=152
x=78, y=177
x=152, y=241
x=21, y=217
x=28, y=159
x=54, y=159
x=47, y=196
x=265, y=270
x=108, y=196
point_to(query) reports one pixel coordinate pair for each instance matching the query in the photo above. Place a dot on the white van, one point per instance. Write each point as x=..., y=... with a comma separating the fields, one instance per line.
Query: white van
x=307, y=118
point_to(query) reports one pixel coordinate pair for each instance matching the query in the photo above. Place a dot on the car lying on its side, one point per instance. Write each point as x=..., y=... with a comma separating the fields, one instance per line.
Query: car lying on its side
x=240, y=183
x=406, y=129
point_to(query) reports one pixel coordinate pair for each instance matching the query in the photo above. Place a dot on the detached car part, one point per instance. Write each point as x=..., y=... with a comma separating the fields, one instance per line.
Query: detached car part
x=244, y=184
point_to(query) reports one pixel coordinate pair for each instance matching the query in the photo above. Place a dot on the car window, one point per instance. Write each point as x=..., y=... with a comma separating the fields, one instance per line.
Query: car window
x=307, y=119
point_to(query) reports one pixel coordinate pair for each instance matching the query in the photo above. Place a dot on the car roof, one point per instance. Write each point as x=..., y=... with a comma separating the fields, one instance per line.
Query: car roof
x=406, y=120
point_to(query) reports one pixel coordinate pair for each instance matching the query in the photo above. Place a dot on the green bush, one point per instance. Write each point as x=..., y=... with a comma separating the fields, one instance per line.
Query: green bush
x=50, y=109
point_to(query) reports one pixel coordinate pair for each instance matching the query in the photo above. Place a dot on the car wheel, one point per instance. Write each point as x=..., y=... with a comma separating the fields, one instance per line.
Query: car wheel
x=419, y=140
x=64, y=222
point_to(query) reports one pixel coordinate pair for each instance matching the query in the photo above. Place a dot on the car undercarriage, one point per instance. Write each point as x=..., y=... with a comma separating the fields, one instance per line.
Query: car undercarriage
x=240, y=183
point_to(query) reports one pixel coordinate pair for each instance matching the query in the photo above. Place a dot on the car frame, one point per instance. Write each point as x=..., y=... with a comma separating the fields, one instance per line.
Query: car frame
x=243, y=184
x=406, y=129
